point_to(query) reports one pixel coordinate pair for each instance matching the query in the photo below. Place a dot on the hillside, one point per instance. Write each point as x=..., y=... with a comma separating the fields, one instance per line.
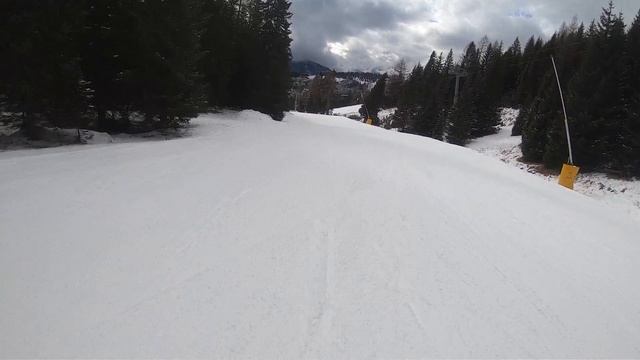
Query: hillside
x=317, y=237
x=308, y=68
x=621, y=193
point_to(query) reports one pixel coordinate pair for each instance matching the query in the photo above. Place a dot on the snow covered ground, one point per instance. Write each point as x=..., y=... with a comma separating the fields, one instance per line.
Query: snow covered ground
x=317, y=237
x=622, y=194
x=354, y=111
x=347, y=111
x=386, y=113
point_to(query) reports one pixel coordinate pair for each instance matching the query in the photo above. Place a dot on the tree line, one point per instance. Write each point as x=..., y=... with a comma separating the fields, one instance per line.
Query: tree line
x=135, y=65
x=599, y=68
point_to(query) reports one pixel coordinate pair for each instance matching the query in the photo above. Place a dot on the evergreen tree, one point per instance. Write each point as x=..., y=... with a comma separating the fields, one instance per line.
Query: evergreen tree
x=489, y=88
x=630, y=143
x=394, y=85
x=410, y=95
x=275, y=40
x=424, y=121
x=219, y=49
x=374, y=101
x=512, y=60
x=322, y=92
x=40, y=62
x=596, y=97
x=464, y=112
x=163, y=78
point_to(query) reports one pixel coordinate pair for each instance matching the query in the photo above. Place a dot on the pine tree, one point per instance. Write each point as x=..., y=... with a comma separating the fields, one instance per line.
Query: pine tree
x=410, y=95
x=275, y=38
x=107, y=34
x=322, y=92
x=424, y=121
x=464, y=114
x=374, y=102
x=163, y=77
x=512, y=59
x=219, y=51
x=40, y=63
x=394, y=85
x=489, y=87
x=596, y=96
x=630, y=143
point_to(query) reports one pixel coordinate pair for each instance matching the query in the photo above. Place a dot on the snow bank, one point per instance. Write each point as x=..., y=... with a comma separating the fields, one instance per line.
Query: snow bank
x=619, y=193
x=316, y=237
x=348, y=111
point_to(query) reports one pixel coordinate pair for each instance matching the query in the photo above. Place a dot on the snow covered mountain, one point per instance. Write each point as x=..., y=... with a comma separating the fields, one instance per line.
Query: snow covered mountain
x=308, y=67
x=317, y=237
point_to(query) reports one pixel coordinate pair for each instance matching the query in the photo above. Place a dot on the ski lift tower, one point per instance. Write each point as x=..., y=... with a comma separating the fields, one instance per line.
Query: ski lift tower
x=459, y=73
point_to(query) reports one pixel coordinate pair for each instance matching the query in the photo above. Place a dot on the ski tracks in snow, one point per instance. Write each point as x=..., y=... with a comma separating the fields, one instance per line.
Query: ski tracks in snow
x=321, y=322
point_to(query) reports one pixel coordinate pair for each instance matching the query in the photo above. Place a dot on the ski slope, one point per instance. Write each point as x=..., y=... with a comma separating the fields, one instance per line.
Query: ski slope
x=317, y=237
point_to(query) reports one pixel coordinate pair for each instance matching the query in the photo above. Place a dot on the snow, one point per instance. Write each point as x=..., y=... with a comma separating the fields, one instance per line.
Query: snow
x=95, y=137
x=316, y=237
x=618, y=193
x=353, y=110
x=386, y=113
x=8, y=129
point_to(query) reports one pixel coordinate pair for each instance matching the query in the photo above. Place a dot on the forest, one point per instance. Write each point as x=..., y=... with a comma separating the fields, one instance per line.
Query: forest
x=136, y=65
x=599, y=70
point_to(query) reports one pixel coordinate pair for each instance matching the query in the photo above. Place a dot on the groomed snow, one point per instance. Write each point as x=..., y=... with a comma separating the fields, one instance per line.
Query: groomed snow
x=317, y=237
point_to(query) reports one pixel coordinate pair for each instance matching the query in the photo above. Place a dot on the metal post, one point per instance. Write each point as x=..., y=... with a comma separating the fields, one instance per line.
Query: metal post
x=365, y=106
x=455, y=96
x=458, y=73
x=564, y=109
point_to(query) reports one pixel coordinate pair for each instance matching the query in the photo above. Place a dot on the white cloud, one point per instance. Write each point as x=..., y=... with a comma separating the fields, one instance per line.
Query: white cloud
x=362, y=34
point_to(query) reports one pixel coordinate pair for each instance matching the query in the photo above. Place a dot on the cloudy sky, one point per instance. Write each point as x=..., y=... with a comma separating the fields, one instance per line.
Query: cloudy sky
x=365, y=34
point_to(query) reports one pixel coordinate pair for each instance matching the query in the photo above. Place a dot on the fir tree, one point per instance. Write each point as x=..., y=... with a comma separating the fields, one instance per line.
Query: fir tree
x=595, y=95
x=40, y=63
x=275, y=40
x=410, y=95
x=374, y=102
x=630, y=142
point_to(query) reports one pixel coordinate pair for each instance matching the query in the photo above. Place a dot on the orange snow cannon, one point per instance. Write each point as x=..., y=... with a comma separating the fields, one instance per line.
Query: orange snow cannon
x=568, y=176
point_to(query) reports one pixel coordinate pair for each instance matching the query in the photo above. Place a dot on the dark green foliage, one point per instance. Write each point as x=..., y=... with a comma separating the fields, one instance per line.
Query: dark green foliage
x=162, y=77
x=460, y=122
x=411, y=94
x=631, y=74
x=374, y=101
x=274, y=39
x=599, y=70
x=321, y=93
x=426, y=97
x=40, y=61
x=246, y=54
x=512, y=63
x=219, y=49
x=395, y=82
x=596, y=71
x=135, y=65
x=426, y=101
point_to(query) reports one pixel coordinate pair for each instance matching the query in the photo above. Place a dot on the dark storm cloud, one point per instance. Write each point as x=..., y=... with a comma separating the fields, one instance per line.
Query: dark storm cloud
x=364, y=34
x=319, y=22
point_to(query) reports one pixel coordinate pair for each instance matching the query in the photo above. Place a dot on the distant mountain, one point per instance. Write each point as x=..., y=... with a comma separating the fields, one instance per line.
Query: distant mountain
x=376, y=70
x=308, y=67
